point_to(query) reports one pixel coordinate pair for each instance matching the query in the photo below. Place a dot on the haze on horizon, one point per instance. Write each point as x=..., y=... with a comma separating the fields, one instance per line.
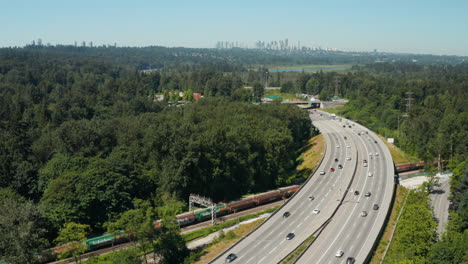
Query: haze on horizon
x=429, y=27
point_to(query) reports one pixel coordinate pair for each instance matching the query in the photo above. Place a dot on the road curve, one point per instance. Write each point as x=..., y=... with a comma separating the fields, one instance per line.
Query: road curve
x=268, y=243
x=349, y=231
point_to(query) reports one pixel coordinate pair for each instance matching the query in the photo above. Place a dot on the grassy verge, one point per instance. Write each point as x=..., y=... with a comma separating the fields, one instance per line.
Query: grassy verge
x=291, y=258
x=398, y=155
x=221, y=244
x=335, y=110
x=211, y=229
x=284, y=96
x=310, y=158
x=401, y=193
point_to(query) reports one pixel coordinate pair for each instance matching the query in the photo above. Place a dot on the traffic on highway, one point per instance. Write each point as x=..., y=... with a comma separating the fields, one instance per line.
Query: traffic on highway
x=347, y=199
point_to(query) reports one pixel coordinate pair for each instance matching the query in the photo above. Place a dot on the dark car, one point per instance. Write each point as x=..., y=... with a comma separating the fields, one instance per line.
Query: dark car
x=345, y=138
x=350, y=260
x=290, y=236
x=336, y=159
x=231, y=257
x=375, y=141
x=356, y=192
x=368, y=194
x=375, y=207
x=286, y=214
x=340, y=166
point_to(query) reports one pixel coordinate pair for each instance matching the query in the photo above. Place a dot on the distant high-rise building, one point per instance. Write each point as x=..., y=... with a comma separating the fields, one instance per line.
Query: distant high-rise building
x=76, y=44
x=39, y=42
x=83, y=44
x=91, y=44
x=33, y=43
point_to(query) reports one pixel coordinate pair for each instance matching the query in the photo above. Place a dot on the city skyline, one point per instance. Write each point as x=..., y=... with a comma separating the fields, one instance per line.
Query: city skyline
x=420, y=27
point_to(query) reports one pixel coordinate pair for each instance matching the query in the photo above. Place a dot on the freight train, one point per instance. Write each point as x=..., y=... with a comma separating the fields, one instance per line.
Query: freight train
x=184, y=219
x=409, y=166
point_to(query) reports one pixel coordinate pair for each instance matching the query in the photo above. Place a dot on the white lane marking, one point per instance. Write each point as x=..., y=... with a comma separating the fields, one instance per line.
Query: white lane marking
x=349, y=217
x=273, y=250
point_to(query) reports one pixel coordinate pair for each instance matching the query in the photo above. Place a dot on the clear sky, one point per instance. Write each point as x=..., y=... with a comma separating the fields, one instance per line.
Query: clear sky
x=409, y=26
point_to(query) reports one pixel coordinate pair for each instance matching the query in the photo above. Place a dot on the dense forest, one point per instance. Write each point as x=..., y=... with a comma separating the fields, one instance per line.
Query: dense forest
x=85, y=145
x=82, y=140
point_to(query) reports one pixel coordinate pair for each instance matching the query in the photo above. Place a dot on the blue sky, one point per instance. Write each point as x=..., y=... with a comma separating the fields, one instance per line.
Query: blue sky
x=411, y=26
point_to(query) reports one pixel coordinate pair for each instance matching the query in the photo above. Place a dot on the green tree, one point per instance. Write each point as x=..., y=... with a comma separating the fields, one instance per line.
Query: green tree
x=72, y=237
x=20, y=228
x=188, y=95
x=258, y=91
x=452, y=249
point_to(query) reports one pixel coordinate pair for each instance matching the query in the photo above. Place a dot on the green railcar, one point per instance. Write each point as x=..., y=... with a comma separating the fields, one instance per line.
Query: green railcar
x=206, y=213
x=105, y=240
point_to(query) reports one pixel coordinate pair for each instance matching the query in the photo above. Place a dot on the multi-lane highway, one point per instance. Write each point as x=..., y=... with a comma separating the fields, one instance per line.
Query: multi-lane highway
x=332, y=186
x=355, y=227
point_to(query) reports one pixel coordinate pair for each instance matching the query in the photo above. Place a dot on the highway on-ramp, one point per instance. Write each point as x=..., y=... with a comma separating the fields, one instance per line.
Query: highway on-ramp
x=332, y=197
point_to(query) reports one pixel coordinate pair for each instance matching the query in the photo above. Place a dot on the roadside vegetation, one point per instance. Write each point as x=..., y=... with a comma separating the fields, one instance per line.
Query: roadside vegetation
x=416, y=231
x=400, y=197
x=311, y=156
x=223, y=242
x=211, y=229
x=292, y=258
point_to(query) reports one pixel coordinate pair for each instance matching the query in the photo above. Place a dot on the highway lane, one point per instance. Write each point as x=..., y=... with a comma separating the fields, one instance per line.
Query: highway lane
x=272, y=246
x=348, y=231
x=268, y=244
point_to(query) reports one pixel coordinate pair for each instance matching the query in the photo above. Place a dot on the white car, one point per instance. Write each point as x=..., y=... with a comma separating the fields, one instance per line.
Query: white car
x=365, y=164
x=322, y=173
x=339, y=253
x=369, y=174
x=316, y=211
x=376, y=153
x=348, y=158
x=349, y=146
x=370, y=154
x=338, y=146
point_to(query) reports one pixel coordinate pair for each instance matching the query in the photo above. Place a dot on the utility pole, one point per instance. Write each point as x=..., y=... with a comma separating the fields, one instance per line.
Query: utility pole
x=408, y=100
x=337, y=84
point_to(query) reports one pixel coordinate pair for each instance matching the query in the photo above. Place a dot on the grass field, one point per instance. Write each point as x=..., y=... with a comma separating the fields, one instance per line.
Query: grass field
x=284, y=96
x=308, y=66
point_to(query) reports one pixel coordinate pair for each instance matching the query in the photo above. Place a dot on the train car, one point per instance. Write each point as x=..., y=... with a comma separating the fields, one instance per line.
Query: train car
x=241, y=204
x=409, y=166
x=289, y=191
x=205, y=214
x=267, y=197
x=185, y=218
x=106, y=240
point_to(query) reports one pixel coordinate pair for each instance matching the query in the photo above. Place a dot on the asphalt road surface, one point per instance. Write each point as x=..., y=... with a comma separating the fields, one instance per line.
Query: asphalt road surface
x=268, y=243
x=440, y=203
x=356, y=226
